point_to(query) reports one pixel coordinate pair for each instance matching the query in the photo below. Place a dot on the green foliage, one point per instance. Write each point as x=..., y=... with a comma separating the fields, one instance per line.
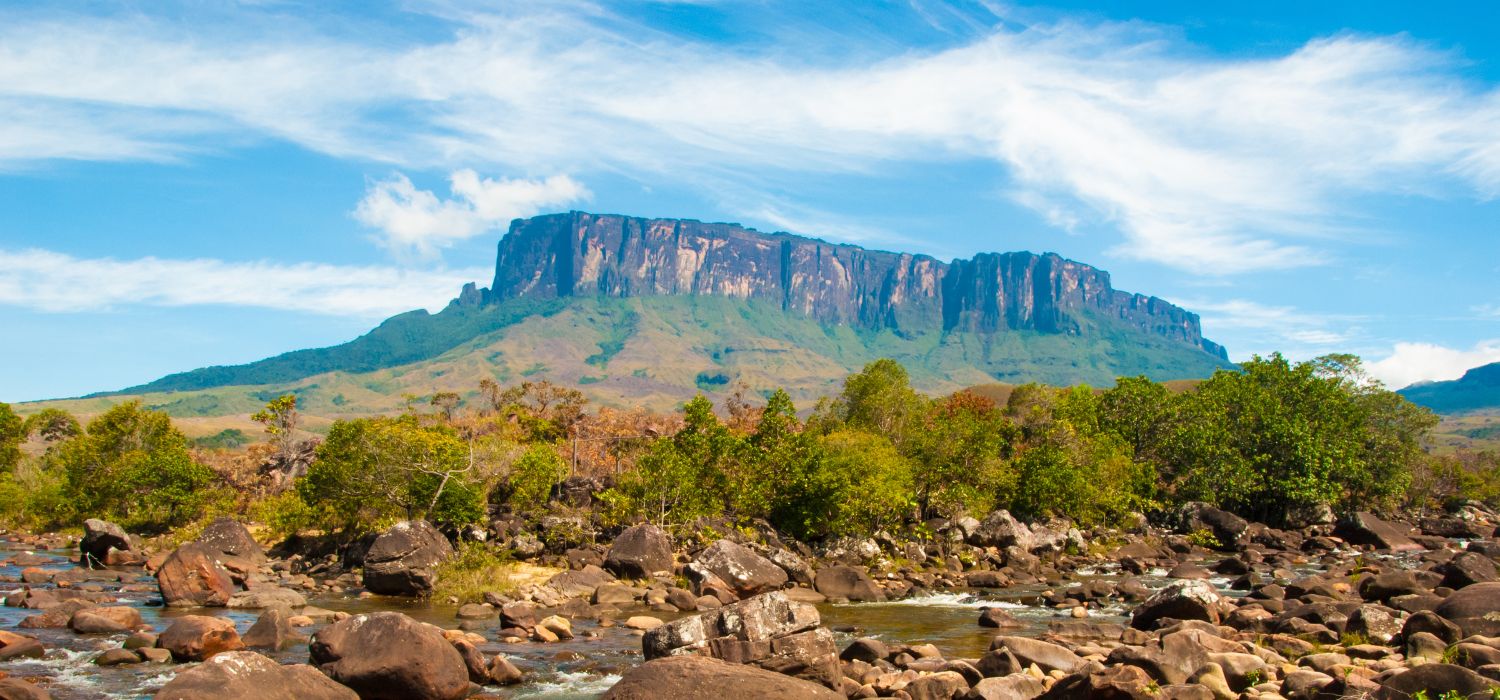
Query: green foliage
x=1204, y=538
x=51, y=425
x=12, y=433
x=879, y=399
x=1279, y=436
x=475, y=569
x=131, y=465
x=681, y=478
x=533, y=476
x=285, y=514
x=372, y=471
x=227, y=439
x=958, y=457
x=861, y=485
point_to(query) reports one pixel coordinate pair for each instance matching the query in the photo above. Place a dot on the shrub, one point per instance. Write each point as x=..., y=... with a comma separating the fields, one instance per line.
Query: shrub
x=533, y=476
x=475, y=569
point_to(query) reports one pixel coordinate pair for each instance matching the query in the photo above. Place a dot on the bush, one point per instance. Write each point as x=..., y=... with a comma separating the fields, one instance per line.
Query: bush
x=370, y=472
x=475, y=569
x=532, y=478
x=132, y=466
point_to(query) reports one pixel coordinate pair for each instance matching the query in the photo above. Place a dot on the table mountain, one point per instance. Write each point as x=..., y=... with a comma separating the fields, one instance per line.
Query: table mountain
x=647, y=311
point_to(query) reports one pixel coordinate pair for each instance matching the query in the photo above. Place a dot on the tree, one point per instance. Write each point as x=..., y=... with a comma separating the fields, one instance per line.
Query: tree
x=52, y=425
x=370, y=471
x=1278, y=438
x=959, y=456
x=132, y=465
x=857, y=485
x=12, y=434
x=533, y=476
x=1139, y=412
x=280, y=419
x=446, y=402
x=879, y=398
x=683, y=477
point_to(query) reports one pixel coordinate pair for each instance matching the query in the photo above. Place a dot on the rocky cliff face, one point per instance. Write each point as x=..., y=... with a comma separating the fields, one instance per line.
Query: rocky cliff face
x=580, y=254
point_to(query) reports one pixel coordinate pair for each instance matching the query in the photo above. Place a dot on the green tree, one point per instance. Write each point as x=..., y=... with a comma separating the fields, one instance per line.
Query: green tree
x=859, y=484
x=133, y=465
x=533, y=476
x=280, y=420
x=683, y=477
x=52, y=425
x=371, y=471
x=879, y=399
x=12, y=434
x=959, y=456
x=1140, y=412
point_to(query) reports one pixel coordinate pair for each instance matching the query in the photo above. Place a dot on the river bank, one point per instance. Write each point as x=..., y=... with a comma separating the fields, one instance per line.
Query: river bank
x=1331, y=609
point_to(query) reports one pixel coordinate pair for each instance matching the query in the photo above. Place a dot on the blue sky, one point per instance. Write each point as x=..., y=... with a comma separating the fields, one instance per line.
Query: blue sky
x=194, y=183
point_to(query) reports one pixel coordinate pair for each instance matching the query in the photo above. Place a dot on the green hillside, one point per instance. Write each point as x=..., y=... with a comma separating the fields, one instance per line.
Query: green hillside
x=649, y=351
x=1478, y=389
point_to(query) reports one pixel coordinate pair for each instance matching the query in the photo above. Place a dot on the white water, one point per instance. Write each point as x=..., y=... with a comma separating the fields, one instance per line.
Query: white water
x=568, y=685
x=950, y=600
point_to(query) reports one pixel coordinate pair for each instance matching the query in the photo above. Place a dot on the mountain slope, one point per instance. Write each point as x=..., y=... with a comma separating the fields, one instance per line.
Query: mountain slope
x=656, y=351
x=648, y=311
x=1479, y=388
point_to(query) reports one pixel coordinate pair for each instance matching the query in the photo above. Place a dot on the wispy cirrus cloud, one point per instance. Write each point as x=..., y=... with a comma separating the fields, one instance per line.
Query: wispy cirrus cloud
x=49, y=281
x=1208, y=164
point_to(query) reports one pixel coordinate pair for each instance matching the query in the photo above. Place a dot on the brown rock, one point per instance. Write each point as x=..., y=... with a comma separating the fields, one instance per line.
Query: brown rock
x=111, y=620
x=246, y=674
x=698, y=677
x=389, y=656
x=192, y=576
x=198, y=637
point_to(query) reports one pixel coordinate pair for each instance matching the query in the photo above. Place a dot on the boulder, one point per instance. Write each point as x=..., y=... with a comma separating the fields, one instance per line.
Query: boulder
x=1378, y=624
x=267, y=597
x=997, y=617
x=697, y=677
x=100, y=536
x=246, y=674
x=503, y=672
x=389, y=656
x=403, y=560
x=230, y=537
x=17, y=689
x=111, y=620
x=1366, y=529
x=56, y=616
x=847, y=582
x=1047, y=656
x=640, y=551
x=1470, y=606
x=273, y=630
x=192, y=576
x=1001, y=529
x=1437, y=680
x=769, y=631
x=943, y=685
x=198, y=637
x=579, y=582
x=1013, y=687
x=740, y=567
x=1466, y=569
x=1181, y=600
x=1231, y=531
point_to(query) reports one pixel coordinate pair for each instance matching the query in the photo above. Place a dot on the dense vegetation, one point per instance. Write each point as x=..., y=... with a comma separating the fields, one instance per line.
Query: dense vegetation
x=1275, y=441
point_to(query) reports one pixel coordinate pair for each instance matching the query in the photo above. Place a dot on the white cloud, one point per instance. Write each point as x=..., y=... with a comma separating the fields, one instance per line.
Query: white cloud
x=1259, y=329
x=1409, y=363
x=1210, y=165
x=49, y=281
x=416, y=220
